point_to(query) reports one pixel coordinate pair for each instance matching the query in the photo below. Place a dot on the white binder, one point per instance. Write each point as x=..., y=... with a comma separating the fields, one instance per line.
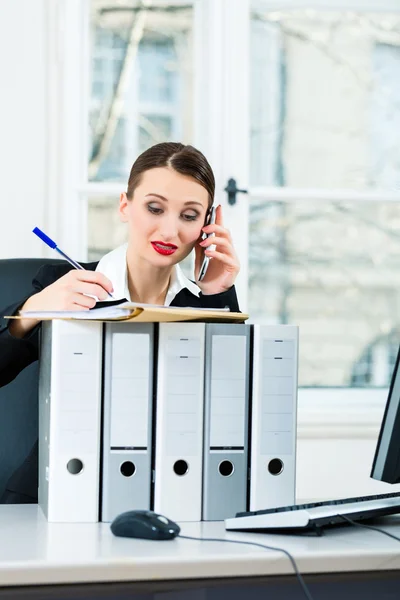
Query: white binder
x=127, y=418
x=274, y=416
x=226, y=420
x=69, y=420
x=179, y=421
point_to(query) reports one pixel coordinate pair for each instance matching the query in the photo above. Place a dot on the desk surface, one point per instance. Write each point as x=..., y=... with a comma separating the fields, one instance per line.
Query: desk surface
x=32, y=551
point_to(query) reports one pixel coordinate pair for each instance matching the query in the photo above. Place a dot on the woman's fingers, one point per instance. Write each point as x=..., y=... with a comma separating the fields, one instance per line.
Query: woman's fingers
x=224, y=268
x=218, y=216
x=219, y=229
x=218, y=241
x=226, y=259
x=81, y=302
x=93, y=277
x=89, y=288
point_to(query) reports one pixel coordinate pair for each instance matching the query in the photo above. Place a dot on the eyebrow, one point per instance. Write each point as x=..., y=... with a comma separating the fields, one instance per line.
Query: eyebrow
x=166, y=199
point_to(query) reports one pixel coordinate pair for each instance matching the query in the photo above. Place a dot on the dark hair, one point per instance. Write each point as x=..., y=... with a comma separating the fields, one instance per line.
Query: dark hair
x=186, y=160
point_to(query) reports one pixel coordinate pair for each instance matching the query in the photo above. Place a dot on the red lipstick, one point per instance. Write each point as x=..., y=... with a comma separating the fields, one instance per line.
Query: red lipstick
x=164, y=248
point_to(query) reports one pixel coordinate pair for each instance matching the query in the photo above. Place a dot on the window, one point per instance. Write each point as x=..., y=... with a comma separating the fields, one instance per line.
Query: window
x=324, y=250
x=141, y=89
x=323, y=171
x=385, y=115
x=376, y=363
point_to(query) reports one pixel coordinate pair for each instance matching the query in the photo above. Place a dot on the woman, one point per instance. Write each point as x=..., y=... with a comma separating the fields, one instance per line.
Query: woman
x=170, y=192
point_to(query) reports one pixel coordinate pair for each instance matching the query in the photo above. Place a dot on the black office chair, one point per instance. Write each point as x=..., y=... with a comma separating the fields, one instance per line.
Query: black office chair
x=18, y=399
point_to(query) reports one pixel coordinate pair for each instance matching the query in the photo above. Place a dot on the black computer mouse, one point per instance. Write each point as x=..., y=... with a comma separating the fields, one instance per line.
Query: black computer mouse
x=144, y=524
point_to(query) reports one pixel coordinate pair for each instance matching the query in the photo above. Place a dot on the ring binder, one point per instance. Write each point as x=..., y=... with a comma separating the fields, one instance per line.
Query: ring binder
x=179, y=421
x=226, y=420
x=127, y=418
x=69, y=420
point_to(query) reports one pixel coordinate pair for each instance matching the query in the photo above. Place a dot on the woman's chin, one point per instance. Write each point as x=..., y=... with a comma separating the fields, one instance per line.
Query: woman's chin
x=163, y=260
x=156, y=259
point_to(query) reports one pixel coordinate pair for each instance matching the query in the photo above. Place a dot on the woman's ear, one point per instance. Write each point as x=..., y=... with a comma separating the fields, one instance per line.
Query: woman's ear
x=123, y=207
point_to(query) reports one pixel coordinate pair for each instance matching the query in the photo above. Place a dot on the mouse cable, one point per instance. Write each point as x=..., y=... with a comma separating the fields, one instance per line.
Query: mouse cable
x=369, y=527
x=296, y=570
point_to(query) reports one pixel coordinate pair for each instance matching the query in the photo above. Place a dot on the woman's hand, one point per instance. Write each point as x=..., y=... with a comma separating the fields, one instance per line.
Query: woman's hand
x=224, y=266
x=67, y=293
x=71, y=292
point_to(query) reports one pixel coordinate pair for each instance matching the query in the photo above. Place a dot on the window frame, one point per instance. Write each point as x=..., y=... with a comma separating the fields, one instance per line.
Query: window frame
x=327, y=5
x=341, y=415
x=218, y=25
x=67, y=59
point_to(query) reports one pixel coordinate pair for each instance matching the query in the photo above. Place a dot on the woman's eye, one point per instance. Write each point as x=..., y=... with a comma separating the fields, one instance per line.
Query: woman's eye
x=154, y=210
x=189, y=217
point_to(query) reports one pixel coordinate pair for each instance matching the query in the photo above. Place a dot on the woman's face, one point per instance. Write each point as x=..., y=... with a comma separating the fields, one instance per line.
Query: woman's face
x=165, y=216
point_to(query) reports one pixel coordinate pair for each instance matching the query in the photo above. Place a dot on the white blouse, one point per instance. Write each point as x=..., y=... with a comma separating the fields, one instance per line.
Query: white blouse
x=114, y=266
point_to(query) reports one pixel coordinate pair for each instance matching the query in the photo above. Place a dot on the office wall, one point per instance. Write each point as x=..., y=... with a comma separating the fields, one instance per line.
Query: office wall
x=23, y=125
x=336, y=441
x=336, y=467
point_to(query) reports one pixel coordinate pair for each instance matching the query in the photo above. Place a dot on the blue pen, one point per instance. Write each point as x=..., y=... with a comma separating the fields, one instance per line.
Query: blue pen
x=45, y=238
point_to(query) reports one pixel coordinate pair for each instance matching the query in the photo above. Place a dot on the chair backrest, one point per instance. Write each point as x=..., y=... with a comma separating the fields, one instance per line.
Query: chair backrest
x=18, y=399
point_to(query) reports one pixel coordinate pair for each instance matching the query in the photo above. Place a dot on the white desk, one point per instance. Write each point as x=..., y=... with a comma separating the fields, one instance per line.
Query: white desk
x=34, y=552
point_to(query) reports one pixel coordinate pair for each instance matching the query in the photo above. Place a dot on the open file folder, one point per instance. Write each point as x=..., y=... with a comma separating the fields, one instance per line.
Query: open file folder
x=140, y=313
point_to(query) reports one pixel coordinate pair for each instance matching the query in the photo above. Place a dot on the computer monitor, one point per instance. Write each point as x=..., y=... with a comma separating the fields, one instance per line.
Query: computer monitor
x=386, y=464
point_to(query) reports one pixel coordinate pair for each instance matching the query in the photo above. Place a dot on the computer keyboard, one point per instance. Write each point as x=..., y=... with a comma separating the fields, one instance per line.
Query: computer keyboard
x=315, y=515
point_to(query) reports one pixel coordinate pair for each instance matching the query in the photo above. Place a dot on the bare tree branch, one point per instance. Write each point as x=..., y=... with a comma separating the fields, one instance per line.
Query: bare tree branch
x=107, y=128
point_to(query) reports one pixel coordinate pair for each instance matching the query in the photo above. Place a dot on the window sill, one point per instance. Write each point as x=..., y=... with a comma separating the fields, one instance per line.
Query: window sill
x=340, y=413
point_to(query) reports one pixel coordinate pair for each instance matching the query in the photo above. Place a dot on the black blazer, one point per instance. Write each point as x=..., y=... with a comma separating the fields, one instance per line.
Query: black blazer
x=16, y=354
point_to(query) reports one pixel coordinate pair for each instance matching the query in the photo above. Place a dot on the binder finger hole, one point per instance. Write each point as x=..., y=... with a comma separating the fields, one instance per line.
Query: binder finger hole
x=74, y=466
x=275, y=466
x=127, y=468
x=181, y=467
x=226, y=468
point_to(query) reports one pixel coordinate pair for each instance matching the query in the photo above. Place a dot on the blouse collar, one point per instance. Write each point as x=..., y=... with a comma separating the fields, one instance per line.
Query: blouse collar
x=114, y=266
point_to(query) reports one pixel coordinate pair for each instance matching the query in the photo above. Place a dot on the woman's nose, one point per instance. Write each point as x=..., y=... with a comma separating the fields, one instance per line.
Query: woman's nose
x=169, y=229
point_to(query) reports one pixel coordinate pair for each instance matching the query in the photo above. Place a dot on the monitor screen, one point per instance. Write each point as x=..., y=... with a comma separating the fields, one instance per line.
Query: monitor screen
x=386, y=464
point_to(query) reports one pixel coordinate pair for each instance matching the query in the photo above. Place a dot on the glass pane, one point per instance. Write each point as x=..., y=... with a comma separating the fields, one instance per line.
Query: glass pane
x=325, y=99
x=141, y=81
x=106, y=231
x=332, y=268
